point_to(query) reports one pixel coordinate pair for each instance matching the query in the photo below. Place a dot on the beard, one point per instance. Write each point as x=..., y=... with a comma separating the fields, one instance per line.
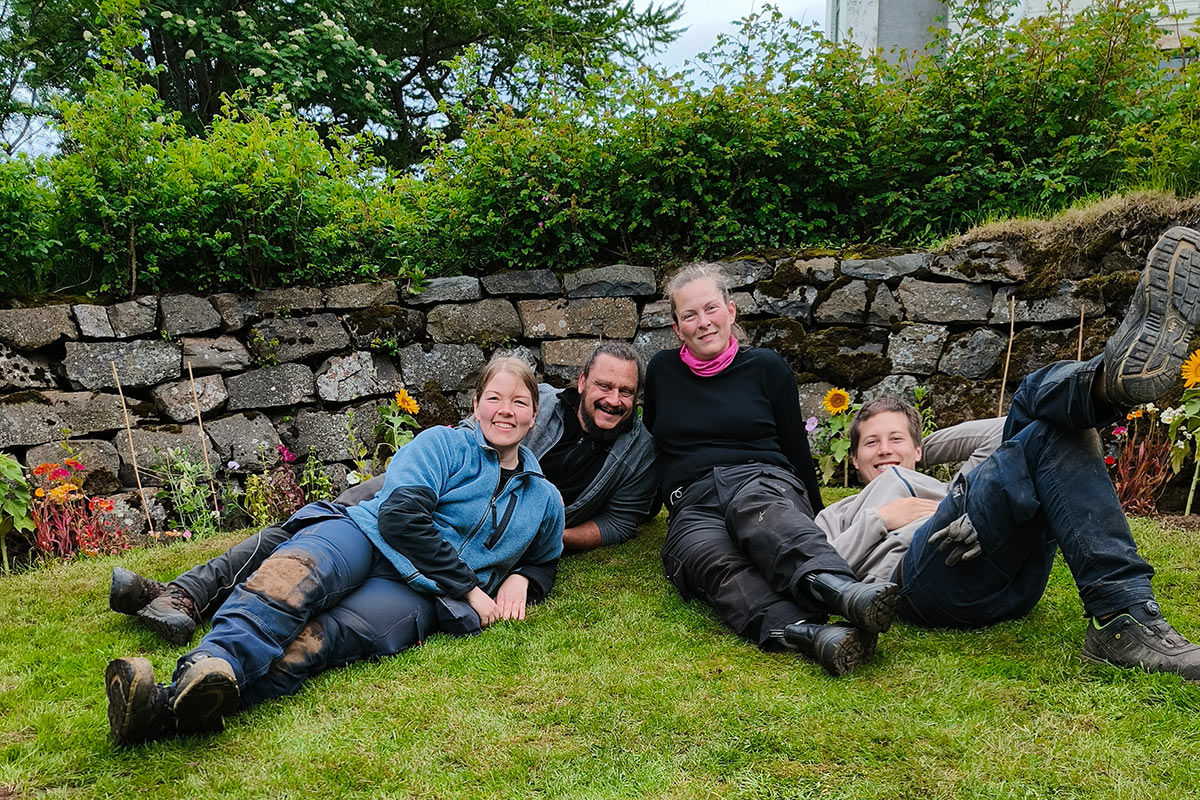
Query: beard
x=587, y=421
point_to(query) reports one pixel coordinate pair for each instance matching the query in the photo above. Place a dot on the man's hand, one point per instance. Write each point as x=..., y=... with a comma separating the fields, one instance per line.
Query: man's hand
x=511, y=597
x=899, y=513
x=484, y=606
x=959, y=541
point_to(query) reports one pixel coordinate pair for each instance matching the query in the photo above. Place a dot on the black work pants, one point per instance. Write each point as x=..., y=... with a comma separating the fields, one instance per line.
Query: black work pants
x=743, y=539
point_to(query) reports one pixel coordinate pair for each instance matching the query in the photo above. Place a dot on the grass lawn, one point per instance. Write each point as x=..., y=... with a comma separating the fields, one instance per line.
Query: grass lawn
x=615, y=688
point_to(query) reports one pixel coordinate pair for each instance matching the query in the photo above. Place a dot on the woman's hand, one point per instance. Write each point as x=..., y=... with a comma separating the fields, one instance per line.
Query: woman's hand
x=484, y=606
x=511, y=597
x=899, y=513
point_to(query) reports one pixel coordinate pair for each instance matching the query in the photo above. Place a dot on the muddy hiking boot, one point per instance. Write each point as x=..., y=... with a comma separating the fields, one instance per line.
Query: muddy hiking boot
x=1141, y=639
x=204, y=693
x=172, y=615
x=869, y=606
x=1142, y=359
x=129, y=592
x=138, y=710
x=838, y=648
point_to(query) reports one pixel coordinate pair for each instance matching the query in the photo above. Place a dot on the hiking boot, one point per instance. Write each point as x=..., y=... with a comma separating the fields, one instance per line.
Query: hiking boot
x=138, y=710
x=869, y=606
x=838, y=648
x=204, y=693
x=130, y=592
x=1142, y=359
x=172, y=615
x=1142, y=639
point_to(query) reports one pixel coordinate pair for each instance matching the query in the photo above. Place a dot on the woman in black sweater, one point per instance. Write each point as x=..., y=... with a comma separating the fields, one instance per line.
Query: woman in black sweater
x=738, y=478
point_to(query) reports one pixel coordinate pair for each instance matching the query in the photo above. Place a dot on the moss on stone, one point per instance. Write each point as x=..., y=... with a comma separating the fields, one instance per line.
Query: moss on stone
x=1114, y=290
x=436, y=408
x=825, y=355
x=27, y=396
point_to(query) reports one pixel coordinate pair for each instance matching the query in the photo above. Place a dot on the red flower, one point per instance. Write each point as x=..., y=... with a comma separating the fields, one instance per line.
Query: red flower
x=73, y=464
x=1109, y=460
x=62, y=473
x=43, y=468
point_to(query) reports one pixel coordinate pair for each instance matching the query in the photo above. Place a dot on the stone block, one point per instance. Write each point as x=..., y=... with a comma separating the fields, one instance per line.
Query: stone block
x=486, y=322
x=34, y=328
x=327, y=434
x=925, y=301
x=649, y=342
x=567, y=352
x=93, y=321
x=915, y=348
x=457, y=289
x=28, y=418
x=973, y=355
x=356, y=296
x=175, y=401
x=342, y=379
x=811, y=395
x=618, y=280
x=183, y=314
x=797, y=304
x=215, y=354
x=981, y=262
x=143, y=362
x=745, y=271
x=384, y=327
x=1057, y=308
x=610, y=317
x=453, y=367
x=249, y=439
x=814, y=270
x=129, y=514
x=289, y=300
x=270, y=387
x=895, y=385
x=21, y=372
x=297, y=339
x=845, y=305
x=152, y=445
x=745, y=303
x=533, y=282
x=133, y=318
x=101, y=463
x=236, y=312
x=85, y=413
x=884, y=309
x=884, y=269
x=658, y=314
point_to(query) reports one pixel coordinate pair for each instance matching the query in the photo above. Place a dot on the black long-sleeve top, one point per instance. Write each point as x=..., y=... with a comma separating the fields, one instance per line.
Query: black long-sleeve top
x=747, y=413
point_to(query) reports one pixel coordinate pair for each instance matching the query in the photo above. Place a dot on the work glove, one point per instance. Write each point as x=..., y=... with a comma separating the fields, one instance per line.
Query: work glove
x=959, y=541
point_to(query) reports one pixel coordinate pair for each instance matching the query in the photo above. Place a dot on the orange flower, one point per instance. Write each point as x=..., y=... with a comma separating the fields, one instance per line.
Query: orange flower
x=405, y=403
x=73, y=464
x=44, y=467
x=39, y=492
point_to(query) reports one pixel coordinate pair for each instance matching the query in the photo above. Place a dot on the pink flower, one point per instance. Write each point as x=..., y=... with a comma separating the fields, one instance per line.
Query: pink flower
x=60, y=474
x=811, y=424
x=1120, y=430
x=285, y=455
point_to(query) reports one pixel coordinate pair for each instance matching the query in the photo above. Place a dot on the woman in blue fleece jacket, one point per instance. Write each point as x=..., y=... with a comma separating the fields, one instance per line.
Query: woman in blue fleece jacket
x=466, y=531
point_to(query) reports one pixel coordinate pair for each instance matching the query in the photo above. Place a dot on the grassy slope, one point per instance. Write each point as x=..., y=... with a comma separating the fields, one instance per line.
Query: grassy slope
x=614, y=688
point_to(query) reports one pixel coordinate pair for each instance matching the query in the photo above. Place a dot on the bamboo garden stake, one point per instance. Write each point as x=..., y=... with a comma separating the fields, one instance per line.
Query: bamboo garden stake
x=1012, y=324
x=137, y=478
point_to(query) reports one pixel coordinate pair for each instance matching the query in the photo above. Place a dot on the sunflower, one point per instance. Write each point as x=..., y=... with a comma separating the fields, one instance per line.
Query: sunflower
x=1191, y=371
x=405, y=403
x=836, y=401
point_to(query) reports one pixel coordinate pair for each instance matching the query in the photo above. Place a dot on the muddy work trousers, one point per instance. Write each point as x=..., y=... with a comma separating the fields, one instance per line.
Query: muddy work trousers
x=325, y=598
x=742, y=539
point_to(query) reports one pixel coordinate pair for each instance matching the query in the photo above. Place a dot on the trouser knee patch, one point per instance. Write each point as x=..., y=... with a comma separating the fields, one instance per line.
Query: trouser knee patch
x=288, y=579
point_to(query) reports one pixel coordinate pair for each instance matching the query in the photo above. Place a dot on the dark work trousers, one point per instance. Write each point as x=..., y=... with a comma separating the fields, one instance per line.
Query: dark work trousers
x=1045, y=488
x=326, y=598
x=742, y=539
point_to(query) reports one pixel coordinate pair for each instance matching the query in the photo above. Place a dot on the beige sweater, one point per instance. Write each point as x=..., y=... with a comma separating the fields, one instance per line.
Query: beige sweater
x=853, y=524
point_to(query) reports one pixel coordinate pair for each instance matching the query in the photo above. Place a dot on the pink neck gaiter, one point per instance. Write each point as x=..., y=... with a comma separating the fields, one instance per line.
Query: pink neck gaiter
x=706, y=369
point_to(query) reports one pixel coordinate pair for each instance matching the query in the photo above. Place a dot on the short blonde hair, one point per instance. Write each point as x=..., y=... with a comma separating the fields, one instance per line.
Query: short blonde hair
x=512, y=365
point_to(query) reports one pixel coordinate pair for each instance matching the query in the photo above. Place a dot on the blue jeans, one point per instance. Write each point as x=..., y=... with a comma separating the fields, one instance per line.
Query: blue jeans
x=1045, y=489
x=325, y=598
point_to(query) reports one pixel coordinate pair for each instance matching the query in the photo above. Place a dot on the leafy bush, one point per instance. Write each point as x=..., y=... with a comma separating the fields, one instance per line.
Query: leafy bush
x=14, y=503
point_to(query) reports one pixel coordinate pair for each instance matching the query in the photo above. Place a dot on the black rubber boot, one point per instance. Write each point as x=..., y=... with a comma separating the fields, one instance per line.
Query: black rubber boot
x=870, y=606
x=129, y=592
x=172, y=615
x=838, y=648
x=138, y=710
x=203, y=694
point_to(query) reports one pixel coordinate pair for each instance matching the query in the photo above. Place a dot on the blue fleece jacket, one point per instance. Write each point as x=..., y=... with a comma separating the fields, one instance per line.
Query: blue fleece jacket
x=437, y=522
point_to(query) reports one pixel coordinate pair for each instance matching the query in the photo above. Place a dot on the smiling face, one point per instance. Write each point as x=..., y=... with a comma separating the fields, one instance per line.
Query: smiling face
x=703, y=318
x=884, y=441
x=607, y=393
x=505, y=413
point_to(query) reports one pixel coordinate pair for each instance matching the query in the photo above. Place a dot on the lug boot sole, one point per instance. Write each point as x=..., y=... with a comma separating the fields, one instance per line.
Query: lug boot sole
x=205, y=694
x=129, y=684
x=1143, y=358
x=876, y=614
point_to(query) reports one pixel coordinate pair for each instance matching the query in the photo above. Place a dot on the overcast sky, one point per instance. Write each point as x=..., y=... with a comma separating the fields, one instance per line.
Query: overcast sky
x=704, y=19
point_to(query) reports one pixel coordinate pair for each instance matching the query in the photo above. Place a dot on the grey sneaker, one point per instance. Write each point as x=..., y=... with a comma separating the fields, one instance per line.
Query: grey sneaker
x=1142, y=359
x=204, y=693
x=138, y=710
x=1140, y=638
x=128, y=593
x=172, y=615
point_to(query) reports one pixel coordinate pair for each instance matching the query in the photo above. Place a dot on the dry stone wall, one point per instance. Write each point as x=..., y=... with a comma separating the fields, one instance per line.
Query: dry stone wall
x=295, y=366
